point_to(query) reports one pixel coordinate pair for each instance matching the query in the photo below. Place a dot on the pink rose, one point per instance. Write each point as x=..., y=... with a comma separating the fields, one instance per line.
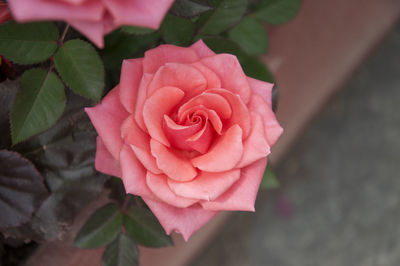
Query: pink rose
x=187, y=131
x=93, y=18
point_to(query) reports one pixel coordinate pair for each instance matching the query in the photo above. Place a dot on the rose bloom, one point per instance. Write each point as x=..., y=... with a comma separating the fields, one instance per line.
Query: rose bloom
x=93, y=18
x=187, y=131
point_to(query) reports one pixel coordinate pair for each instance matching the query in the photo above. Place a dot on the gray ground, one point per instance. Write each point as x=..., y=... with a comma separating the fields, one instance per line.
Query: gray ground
x=339, y=204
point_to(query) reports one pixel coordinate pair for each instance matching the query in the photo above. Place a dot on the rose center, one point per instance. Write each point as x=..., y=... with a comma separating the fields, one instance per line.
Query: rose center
x=191, y=131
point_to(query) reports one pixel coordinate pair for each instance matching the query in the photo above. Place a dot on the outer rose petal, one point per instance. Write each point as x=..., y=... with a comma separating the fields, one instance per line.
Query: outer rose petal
x=262, y=88
x=201, y=49
x=159, y=56
x=228, y=68
x=159, y=104
x=107, y=118
x=131, y=75
x=133, y=174
x=93, y=30
x=174, y=166
x=224, y=155
x=105, y=162
x=148, y=13
x=272, y=128
x=185, y=221
x=242, y=195
x=184, y=77
x=27, y=10
x=158, y=184
x=213, y=80
x=206, y=186
x=255, y=146
x=140, y=143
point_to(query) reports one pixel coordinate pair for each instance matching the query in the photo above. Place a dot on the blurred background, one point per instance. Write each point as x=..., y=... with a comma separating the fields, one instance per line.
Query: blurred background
x=337, y=65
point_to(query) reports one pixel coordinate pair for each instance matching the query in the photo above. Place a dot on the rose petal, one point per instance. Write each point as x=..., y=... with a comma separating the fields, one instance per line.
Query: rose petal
x=272, y=128
x=224, y=155
x=211, y=115
x=173, y=165
x=255, y=146
x=215, y=121
x=159, y=104
x=133, y=174
x=240, y=113
x=74, y=2
x=177, y=134
x=206, y=186
x=184, y=221
x=158, y=185
x=242, y=195
x=28, y=10
x=159, y=56
x=228, y=69
x=141, y=99
x=93, y=30
x=185, y=77
x=147, y=13
x=213, y=80
x=202, y=49
x=131, y=75
x=211, y=101
x=107, y=118
x=104, y=161
x=262, y=88
x=140, y=144
x=201, y=141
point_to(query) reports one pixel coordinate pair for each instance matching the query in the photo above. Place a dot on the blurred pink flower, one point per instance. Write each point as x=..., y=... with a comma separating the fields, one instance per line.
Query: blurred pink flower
x=93, y=18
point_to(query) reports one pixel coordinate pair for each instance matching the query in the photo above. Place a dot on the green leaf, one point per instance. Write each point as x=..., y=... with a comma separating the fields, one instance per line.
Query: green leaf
x=225, y=15
x=223, y=45
x=269, y=180
x=189, y=8
x=38, y=105
x=21, y=189
x=136, y=30
x=121, y=252
x=277, y=11
x=28, y=43
x=65, y=155
x=256, y=69
x=176, y=30
x=101, y=228
x=119, y=46
x=81, y=68
x=142, y=226
x=251, y=36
